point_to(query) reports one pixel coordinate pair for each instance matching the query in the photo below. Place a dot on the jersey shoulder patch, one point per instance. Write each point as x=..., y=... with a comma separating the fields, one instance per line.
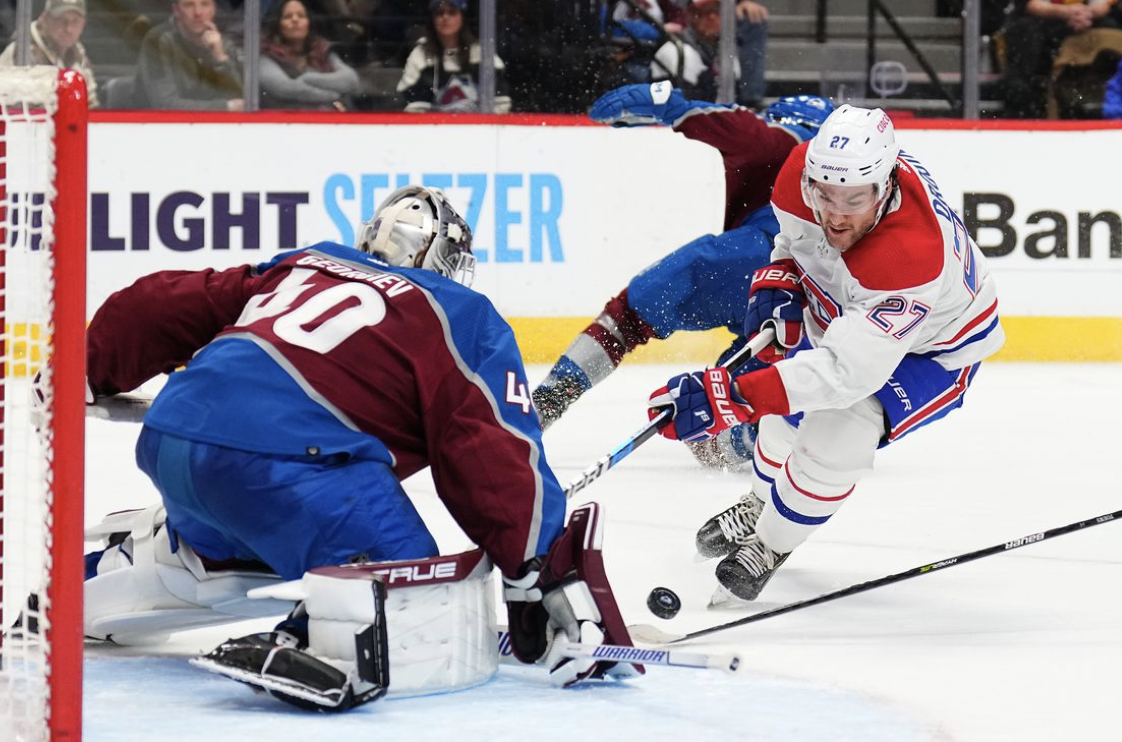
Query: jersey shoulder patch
x=906, y=249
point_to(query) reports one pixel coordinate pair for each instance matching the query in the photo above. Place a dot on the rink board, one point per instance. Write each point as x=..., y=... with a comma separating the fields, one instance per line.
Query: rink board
x=565, y=213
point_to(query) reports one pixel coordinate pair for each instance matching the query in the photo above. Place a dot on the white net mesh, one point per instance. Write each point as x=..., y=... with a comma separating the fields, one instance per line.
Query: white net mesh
x=27, y=177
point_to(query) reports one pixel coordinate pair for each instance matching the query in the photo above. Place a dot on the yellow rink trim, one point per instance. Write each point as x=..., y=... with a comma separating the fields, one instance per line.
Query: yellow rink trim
x=543, y=339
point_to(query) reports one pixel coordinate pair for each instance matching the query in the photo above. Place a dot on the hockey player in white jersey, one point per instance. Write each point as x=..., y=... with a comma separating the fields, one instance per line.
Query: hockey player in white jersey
x=884, y=309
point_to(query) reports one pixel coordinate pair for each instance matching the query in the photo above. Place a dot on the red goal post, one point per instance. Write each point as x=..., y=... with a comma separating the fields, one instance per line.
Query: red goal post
x=43, y=113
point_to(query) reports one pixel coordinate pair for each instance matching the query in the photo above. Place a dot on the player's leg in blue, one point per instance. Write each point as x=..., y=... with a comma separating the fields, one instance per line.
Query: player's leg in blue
x=291, y=513
x=235, y=521
x=700, y=286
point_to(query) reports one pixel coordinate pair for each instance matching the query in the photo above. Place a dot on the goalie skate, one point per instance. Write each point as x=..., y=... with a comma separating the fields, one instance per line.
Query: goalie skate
x=744, y=573
x=275, y=664
x=730, y=528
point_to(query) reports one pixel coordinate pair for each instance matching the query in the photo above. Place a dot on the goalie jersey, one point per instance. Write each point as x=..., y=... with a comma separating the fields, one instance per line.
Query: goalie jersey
x=328, y=351
x=915, y=284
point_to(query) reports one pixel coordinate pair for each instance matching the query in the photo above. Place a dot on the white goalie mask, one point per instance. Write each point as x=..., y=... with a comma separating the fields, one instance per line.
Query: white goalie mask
x=855, y=149
x=417, y=227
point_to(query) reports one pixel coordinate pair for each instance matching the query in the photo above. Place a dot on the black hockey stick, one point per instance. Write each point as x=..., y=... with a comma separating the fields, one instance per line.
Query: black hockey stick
x=651, y=635
x=645, y=433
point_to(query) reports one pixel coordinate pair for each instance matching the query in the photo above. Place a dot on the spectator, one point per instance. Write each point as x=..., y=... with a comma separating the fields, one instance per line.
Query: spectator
x=442, y=71
x=1032, y=37
x=298, y=67
x=751, y=50
x=664, y=12
x=187, y=63
x=637, y=35
x=692, y=62
x=1112, y=101
x=54, y=41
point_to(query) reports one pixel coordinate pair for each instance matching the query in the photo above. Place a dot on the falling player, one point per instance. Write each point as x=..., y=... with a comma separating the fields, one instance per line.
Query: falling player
x=313, y=384
x=899, y=310
x=701, y=285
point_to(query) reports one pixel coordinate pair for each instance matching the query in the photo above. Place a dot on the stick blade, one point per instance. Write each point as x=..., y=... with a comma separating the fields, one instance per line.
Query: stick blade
x=647, y=634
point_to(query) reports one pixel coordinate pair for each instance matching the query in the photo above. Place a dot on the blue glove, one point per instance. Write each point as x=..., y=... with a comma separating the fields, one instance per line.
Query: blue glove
x=776, y=298
x=704, y=403
x=643, y=105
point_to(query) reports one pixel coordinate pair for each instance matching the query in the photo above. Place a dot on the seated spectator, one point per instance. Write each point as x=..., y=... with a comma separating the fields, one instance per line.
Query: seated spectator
x=442, y=71
x=1112, y=101
x=751, y=50
x=186, y=62
x=1033, y=35
x=54, y=41
x=664, y=12
x=298, y=68
x=692, y=62
x=636, y=35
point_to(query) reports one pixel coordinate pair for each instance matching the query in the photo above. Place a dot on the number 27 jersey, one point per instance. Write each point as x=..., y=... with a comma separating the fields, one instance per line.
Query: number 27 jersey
x=915, y=284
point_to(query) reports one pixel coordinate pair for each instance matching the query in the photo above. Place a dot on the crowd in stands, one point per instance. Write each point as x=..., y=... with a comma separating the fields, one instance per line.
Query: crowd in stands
x=1058, y=58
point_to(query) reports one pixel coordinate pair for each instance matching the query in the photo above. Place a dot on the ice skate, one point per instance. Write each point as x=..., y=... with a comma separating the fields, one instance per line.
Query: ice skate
x=730, y=528
x=744, y=573
x=731, y=450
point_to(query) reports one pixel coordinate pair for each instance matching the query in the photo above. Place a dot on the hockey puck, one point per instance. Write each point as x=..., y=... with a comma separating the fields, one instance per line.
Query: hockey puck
x=664, y=603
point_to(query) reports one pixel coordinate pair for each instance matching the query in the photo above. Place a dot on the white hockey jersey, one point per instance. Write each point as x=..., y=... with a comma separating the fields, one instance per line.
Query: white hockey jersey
x=916, y=283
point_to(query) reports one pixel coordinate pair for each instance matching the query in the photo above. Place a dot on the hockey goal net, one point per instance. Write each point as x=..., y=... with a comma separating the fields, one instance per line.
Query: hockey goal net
x=42, y=352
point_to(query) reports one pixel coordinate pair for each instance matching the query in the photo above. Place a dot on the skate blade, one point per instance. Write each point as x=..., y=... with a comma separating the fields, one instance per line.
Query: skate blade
x=699, y=558
x=722, y=598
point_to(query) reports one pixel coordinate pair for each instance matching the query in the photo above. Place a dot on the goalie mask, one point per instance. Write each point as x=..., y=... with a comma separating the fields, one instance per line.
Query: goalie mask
x=417, y=227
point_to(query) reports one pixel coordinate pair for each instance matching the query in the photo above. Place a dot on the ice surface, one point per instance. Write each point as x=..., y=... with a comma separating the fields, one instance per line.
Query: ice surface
x=1022, y=646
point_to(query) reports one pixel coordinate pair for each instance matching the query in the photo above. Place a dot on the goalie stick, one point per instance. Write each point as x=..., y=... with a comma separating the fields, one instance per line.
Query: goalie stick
x=645, y=433
x=729, y=663
x=125, y=408
x=651, y=635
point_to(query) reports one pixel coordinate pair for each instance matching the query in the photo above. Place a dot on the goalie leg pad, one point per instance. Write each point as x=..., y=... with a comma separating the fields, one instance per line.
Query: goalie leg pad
x=440, y=619
x=142, y=587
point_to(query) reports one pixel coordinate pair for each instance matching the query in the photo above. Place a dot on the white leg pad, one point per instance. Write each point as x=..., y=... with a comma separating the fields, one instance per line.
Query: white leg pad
x=832, y=451
x=142, y=591
x=440, y=620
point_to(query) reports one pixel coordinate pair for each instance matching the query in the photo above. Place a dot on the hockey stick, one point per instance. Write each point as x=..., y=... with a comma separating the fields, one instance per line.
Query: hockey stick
x=645, y=433
x=652, y=635
x=729, y=663
x=124, y=408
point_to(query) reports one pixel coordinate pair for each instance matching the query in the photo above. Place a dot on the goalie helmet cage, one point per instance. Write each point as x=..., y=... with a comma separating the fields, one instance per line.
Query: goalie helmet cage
x=43, y=114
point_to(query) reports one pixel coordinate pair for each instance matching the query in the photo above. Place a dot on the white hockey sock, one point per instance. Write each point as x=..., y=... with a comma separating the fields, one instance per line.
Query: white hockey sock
x=833, y=449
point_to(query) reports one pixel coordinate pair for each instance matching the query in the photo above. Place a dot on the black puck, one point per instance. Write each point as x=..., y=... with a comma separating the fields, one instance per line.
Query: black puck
x=664, y=603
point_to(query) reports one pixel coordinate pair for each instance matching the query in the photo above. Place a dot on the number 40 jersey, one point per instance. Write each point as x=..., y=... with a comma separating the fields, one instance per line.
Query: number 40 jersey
x=328, y=352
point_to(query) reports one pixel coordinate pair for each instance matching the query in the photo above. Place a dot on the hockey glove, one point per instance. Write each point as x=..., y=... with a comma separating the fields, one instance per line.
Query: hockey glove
x=776, y=299
x=566, y=596
x=705, y=403
x=644, y=105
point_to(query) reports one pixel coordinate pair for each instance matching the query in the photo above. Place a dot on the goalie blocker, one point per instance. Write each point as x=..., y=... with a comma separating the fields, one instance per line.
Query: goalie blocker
x=439, y=624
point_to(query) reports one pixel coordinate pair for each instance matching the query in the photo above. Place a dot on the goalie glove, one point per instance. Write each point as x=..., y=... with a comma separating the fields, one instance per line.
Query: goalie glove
x=566, y=595
x=775, y=298
x=644, y=105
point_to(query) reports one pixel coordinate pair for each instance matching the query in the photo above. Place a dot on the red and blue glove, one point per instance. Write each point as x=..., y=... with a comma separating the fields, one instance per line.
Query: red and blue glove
x=776, y=298
x=706, y=402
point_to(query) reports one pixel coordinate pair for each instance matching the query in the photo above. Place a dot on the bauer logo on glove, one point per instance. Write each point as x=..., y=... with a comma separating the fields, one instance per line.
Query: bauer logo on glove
x=693, y=398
